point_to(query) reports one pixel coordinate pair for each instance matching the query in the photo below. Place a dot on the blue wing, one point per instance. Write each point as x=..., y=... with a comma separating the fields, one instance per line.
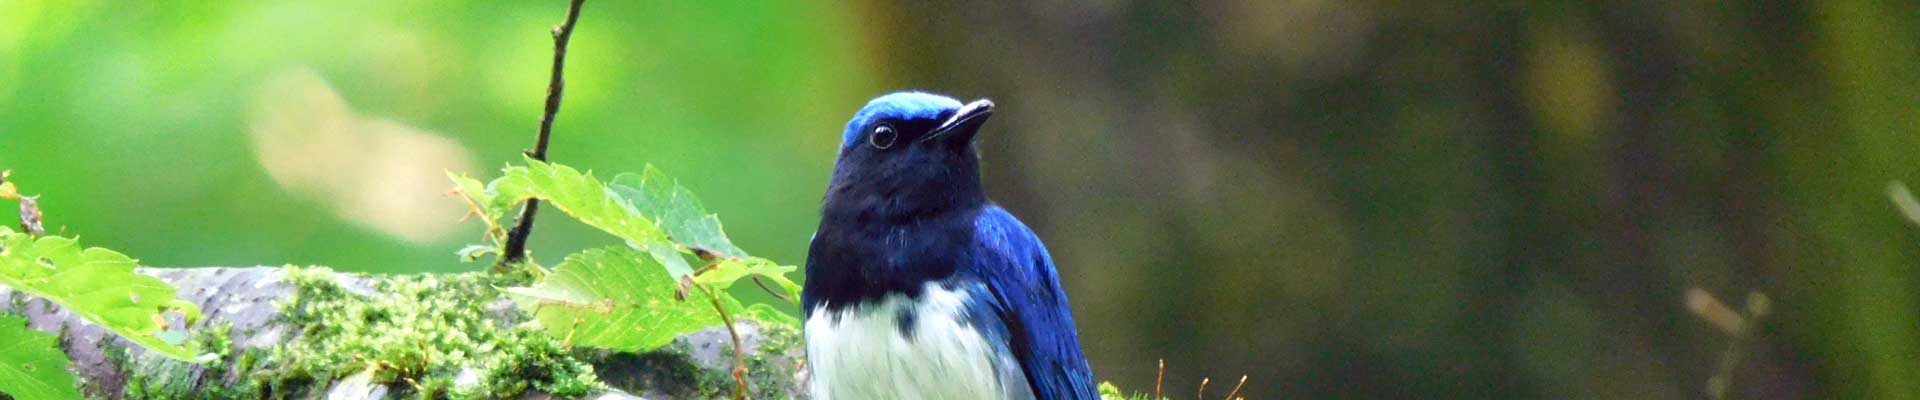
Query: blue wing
x=1031, y=304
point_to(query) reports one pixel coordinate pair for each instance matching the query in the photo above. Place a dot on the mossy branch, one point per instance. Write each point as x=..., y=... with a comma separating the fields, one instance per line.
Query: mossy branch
x=305, y=332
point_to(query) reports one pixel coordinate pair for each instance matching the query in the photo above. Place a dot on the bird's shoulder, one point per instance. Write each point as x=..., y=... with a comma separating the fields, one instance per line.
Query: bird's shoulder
x=997, y=229
x=1011, y=257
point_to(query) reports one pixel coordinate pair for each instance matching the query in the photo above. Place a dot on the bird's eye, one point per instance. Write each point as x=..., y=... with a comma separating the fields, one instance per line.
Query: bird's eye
x=882, y=137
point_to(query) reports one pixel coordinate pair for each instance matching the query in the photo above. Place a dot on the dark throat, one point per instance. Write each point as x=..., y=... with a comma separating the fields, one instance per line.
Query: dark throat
x=879, y=240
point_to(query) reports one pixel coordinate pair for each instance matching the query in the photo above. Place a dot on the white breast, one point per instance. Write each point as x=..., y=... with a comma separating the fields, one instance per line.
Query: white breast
x=862, y=354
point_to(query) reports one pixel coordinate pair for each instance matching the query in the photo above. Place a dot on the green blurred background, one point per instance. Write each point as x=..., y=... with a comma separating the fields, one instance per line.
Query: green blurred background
x=1339, y=199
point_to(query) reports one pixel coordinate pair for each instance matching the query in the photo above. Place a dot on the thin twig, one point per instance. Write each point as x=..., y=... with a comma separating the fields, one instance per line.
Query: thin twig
x=517, y=238
x=1203, y=389
x=775, y=293
x=1157, y=379
x=1236, y=388
x=1740, y=335
x=494, y=232
x=739, y=348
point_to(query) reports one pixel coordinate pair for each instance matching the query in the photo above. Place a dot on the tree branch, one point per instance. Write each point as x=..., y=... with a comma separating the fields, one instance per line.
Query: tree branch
x=517, y=238
x=245, y=305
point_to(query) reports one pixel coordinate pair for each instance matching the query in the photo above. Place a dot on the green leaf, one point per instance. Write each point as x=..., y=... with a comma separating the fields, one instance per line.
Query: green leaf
x=99, y=285
x=617, y=298
x=578, y=194
x=626, y=299
x=727, y=271
x=31, y=363
x=688, y=224
x=669, y=256
x=650, y=211
x=678, y=212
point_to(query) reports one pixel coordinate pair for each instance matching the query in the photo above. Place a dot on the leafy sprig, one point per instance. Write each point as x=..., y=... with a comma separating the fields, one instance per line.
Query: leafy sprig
x=639, y=297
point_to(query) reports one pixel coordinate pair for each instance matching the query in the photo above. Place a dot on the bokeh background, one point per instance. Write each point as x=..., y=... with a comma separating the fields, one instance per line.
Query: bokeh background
x=1339, y=199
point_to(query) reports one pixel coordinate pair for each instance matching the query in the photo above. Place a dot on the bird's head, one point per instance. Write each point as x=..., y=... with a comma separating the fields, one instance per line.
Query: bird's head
x=908, y=153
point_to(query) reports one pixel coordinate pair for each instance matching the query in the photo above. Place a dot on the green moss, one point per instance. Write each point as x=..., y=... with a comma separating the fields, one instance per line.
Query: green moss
x=1110, y=392
x=766, y=370
x=431, y=336
x=153, y=376
x=416, y=333
x=421, y=331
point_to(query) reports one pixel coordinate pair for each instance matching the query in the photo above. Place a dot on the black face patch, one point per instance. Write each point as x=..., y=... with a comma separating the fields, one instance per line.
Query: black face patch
x=904, y=320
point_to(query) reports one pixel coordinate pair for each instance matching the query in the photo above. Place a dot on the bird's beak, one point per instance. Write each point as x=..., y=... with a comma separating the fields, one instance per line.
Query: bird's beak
x=964, y=123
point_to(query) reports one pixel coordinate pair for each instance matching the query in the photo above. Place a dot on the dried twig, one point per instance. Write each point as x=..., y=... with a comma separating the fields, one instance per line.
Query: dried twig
x=516, y=249
x=30, y=217
x=31, y=220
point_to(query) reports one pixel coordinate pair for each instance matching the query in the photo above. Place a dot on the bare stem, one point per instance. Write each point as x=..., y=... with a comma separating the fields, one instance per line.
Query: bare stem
x=1236, y=388
x=517, y=238
x=739, y=348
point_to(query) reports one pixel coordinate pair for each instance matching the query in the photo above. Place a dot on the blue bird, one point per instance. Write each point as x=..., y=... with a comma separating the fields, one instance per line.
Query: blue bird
x=918, y=286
